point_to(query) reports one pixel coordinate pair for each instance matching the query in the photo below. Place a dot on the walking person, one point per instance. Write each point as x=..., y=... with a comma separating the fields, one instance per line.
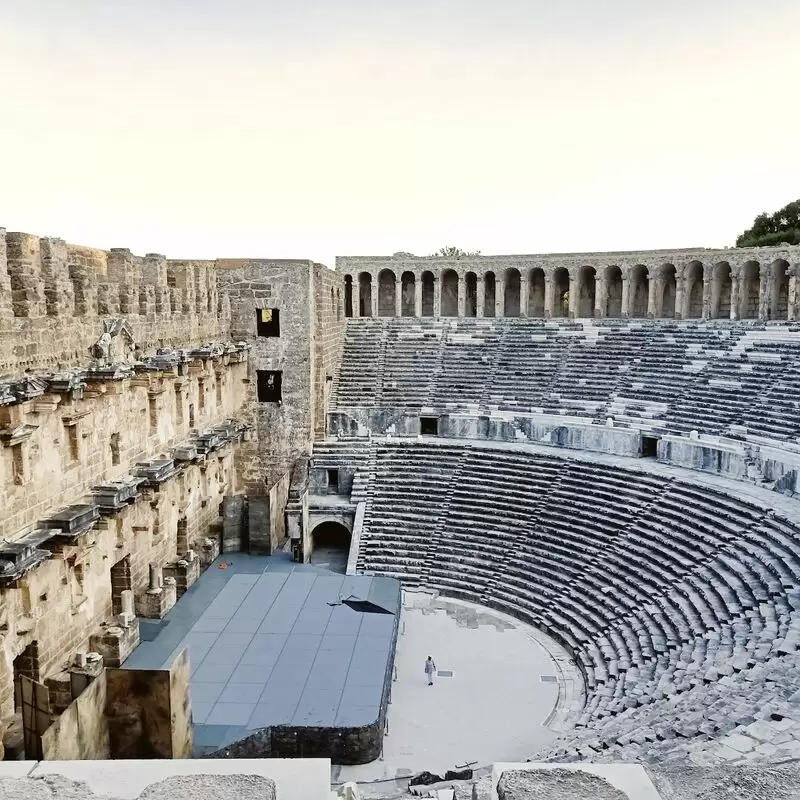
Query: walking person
x=430, y=668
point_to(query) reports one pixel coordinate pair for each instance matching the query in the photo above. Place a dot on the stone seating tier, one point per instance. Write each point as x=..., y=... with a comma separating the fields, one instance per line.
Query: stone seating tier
x=659, y=587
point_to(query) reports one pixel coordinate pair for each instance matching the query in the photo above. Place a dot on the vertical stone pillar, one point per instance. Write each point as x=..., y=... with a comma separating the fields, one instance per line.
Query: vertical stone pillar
x=437, y=296
x=680, y=283
x=24, y=260
x=123, y=277
x=653, y=285
x=600, y=295
x=418, y=296
x=181, y=277
x=574, y=291
x=626, y=296
x=524, y=291
x=549, y=295
x=736, y=293
x=794, y=292
x=375, y=290
x=480, y=295
x=5, y=281
x=708, y=271
x=765, y=287
x=462, y=296
x=398, y=297
x=499, y=297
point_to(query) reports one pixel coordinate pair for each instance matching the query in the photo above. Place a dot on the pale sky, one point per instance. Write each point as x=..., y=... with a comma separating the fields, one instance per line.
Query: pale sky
x=316, y=128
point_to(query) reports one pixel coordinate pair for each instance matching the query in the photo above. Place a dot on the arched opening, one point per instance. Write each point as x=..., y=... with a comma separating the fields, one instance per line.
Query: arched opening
x=536, y=293
x=586, y=292
x=365, y=295
x=668, y=291
x=639, y=288
x=408, y=290
x=613, y=291
x=449, y=307
x=348, y=295
x=749, y=290
x=386, y=293
x=330, y=546
x=560, y=293
x=778, y=306
x=721, y=291
x=471, y=295
x=427, y=293
x=489, y=286
x=693, y=290
x=511, y=293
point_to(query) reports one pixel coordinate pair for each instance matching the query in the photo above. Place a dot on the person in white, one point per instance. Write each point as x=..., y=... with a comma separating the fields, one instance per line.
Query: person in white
x=430, y=669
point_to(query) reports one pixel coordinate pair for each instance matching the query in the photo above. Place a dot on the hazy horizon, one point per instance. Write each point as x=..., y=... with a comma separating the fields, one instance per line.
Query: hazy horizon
x=315, y=129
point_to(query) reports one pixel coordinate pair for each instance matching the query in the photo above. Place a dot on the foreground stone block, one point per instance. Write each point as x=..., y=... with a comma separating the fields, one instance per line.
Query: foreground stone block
x=556, y=784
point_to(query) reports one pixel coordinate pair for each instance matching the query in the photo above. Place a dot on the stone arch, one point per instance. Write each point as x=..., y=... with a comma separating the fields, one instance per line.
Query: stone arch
x=330, y=545
x=721, y=284
x=449, y=288
x=694, y=286
x=613, y=304
x=408, y=288
x=560, y=292
x=668, y=291
x=489, y=289
x=749, y=286
x=386, y=293
x=639, y=291
x=512, y=294
x=471, y=295
x=778, y=293
x=584, y=307
x=365, y=295
x=428, y=288
x=536, y=293
x=348, y=295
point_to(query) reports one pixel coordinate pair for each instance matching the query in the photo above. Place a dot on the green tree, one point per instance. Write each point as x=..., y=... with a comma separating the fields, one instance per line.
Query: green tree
x=782, y=227
x=455, y=252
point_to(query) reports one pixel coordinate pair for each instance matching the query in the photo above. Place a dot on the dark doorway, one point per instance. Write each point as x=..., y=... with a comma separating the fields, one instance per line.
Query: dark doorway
x=269, y=386
x=429, y=426
x=268, y=322
x=333, y=481
x=649, y=447
x=330, y=546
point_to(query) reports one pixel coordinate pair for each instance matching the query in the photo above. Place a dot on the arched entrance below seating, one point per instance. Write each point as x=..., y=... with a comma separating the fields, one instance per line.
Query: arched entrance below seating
x=721, y=291
x=778, y=304
x=330, y=546
x=449, y=297
x=560, y=293
x=348, y=295
x=365, y=295
x=489, y=286
x=584, y=308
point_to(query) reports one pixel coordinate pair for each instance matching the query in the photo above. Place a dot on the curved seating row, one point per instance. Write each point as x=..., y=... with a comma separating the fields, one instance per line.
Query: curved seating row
x=658, y=586
x=681, y=376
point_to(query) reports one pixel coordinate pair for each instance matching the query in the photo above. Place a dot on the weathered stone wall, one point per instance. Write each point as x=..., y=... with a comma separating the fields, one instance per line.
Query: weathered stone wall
x=329, y=326
x=55, y=296
x=76, y=443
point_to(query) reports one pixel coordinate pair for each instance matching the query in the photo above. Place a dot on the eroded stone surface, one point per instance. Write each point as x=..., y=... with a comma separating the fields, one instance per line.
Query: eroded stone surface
x=556, y=784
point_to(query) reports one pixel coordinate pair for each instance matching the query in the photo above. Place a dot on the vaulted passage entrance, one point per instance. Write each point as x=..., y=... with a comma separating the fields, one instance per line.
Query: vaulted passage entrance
x=330, y=543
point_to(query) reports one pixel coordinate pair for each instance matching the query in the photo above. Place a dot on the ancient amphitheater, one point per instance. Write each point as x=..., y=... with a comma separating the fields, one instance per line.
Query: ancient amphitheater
x=604, y=447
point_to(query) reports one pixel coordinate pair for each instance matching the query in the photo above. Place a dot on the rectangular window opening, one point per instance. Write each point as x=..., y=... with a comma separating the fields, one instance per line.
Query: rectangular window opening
x=429, y=426
x=219, y=389
x=268, y=322
x=268, y=386
x=18, y=456
x=201, y=395
x=74, y=444
x=649, y=447
x=333, y=481
x=191, y=415
x=179, y=405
